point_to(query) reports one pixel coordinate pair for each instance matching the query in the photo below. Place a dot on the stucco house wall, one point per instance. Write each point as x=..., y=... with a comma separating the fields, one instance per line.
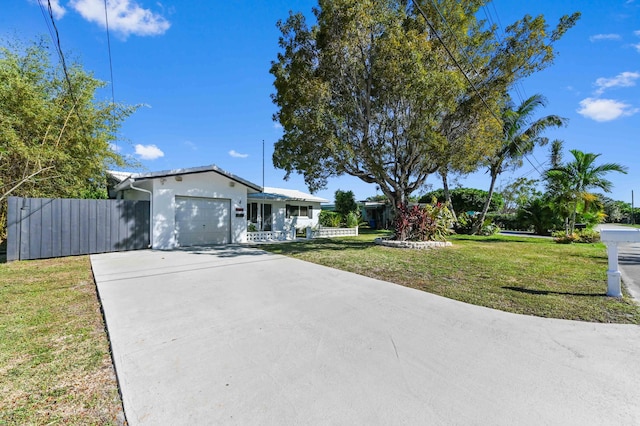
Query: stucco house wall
x=202, y=185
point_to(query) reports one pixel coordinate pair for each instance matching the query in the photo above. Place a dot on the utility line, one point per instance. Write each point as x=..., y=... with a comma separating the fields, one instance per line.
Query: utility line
x=113, y=96
x=484, y=102
x=55, y=36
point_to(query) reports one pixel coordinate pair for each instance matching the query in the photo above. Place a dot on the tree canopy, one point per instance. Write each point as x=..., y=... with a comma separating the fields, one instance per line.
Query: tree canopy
x=371, y=91
x=54, y=142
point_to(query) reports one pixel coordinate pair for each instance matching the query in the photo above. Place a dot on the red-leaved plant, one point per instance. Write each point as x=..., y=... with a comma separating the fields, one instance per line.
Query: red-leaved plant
x=423, y=223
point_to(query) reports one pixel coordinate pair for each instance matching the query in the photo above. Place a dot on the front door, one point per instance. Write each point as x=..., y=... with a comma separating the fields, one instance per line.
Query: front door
x=267, y=217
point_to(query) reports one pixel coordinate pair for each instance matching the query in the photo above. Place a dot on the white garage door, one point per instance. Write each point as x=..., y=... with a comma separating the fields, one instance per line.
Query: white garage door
x=202, y=221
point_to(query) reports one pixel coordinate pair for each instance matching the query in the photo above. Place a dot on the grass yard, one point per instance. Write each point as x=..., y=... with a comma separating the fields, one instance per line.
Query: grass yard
x=55, y=366
x=515, y=274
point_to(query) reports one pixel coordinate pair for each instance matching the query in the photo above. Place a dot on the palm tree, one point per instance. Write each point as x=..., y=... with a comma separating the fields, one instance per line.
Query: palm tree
x=579, y=176
x=519, y=137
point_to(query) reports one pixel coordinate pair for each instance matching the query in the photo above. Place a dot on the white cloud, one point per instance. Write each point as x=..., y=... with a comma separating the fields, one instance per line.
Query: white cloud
x=114, y=147
x=599, y=37
x=605, y=109
x=277, y=125
x=235, y=154
x=637, y=46
x=625, y=79
x=148, y=152
x=637, y=33
x=57, y=10
x=125, y=16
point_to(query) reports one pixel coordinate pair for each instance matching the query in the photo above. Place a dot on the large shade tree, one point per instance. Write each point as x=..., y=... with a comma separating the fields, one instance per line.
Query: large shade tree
x=371, y=91
x=520, y=135
x=572, y=181
x=55, y=137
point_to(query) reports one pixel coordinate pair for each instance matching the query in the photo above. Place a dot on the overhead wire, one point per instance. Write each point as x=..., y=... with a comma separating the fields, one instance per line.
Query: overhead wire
x=453, y=58
x=55, y=37
x=113, y=95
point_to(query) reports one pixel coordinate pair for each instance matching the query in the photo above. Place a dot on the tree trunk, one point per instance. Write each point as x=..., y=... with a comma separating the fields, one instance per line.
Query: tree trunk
x=478, y=225
x=447, y=195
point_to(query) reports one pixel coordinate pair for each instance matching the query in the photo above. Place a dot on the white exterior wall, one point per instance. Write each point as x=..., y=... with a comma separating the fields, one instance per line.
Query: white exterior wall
x=203, y=185
x=281, y=222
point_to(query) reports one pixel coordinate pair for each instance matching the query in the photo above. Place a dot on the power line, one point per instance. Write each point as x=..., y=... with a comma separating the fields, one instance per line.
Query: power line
x=55, y=37
x=113, y=96
x=484, y=102
x=106, y=20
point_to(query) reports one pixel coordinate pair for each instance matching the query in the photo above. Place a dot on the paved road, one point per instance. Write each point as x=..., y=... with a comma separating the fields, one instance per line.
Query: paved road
x=241, y=337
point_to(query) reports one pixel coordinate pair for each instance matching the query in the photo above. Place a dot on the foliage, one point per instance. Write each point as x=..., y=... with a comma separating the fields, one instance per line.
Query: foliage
x=369, y=91
x=520, y=135
x=466, y=199
x=251, y=227
x=467, y=224
x=540, y=215
x=562, y=237
x=53, y=143
x=510, y=221
x=345, y=202
x=430, y=222
x=517, y=194
x=330, y=219
x=587, y=236
x=352, y=219
x=569, y=183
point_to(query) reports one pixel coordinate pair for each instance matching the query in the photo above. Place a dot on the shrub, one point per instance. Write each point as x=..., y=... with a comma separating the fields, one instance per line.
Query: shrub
x=588, y=236
x=251, y=227
x=428, y=223
x=352, y=219
x=466, y=223
x=330, y=219
x=561, y=237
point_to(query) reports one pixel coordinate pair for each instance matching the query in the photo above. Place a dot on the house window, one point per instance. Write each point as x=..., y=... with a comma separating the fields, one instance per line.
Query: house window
x=293, y=211
x=310, y=212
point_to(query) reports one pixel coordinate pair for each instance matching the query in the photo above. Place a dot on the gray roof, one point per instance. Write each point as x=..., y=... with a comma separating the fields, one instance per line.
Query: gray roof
x=203, y=169
x=282, y=194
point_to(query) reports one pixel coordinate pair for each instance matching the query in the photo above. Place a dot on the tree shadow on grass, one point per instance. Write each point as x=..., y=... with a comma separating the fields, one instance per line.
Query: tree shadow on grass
x=549, y=292
x=503, y=239
x=305, y=246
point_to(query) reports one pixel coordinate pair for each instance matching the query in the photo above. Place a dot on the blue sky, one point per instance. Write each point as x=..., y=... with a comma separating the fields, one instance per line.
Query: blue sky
x=201, y=71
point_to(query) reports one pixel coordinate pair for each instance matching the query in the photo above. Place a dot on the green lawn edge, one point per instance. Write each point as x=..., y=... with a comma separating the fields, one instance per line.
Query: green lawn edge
x=55, y=361
x=518, y=274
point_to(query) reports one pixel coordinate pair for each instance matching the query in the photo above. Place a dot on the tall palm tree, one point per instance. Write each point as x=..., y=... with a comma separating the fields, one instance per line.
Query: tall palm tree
x=579, y=176
x=520, y=135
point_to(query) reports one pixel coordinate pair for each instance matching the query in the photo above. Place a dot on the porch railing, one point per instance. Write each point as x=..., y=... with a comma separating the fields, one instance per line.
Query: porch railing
x=271, y=236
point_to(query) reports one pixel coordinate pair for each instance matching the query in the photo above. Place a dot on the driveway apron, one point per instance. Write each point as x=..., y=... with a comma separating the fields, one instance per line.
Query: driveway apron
x=239, y=336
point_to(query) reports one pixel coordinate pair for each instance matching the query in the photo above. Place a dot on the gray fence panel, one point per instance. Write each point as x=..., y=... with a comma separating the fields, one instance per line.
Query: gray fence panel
x=45, y=227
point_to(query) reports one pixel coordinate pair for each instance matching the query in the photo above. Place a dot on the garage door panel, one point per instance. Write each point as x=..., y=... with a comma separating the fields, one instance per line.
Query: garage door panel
x=202, y=221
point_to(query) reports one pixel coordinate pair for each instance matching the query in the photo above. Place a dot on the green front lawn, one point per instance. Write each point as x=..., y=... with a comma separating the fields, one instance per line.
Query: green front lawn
x=515, y=274
x=55, y=366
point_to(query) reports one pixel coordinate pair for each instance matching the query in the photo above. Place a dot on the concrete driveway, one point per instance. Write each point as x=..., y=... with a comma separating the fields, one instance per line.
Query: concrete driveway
x=241, y=337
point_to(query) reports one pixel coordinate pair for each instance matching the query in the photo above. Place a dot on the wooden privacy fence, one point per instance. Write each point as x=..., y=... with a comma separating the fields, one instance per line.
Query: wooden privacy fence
x=40, y=228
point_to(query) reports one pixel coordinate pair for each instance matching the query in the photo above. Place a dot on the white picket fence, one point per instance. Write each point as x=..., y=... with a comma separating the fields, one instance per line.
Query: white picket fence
x=260, y=236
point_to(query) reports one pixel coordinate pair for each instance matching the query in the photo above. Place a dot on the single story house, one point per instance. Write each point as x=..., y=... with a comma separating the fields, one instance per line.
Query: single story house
x=208, y=205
